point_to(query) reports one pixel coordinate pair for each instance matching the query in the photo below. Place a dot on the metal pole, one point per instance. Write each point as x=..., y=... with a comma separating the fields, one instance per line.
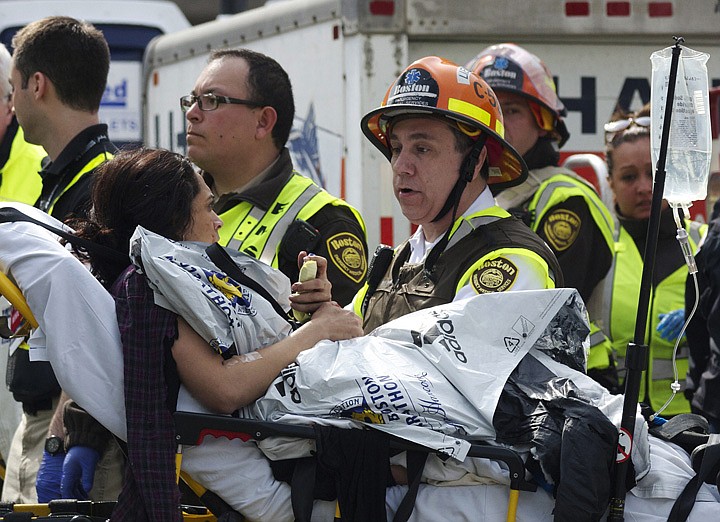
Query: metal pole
x=636, y=360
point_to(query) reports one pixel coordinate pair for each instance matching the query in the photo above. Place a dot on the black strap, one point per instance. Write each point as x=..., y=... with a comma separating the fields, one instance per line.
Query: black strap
x=224, y=262
x=301, y=488
x=415, y=465
x=12, y=214
x=710, y=462
x=379, y=264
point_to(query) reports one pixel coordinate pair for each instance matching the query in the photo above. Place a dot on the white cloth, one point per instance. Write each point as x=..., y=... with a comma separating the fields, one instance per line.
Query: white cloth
x=78, y=330
x=222, y=312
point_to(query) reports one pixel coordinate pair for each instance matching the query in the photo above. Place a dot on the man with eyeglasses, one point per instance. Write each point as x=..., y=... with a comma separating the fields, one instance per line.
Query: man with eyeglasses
x=560, y=206
x=239, y=116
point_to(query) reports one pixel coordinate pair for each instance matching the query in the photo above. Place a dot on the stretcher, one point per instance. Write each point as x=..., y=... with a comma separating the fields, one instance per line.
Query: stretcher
x=192, y=428
x=539, y=506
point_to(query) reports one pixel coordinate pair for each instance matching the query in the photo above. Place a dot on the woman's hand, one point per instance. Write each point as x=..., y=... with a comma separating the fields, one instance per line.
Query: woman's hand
x=332, y=322
x=309, y=295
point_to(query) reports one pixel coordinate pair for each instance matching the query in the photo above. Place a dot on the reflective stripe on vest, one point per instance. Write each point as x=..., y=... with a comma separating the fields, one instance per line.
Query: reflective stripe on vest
x=465, y=225
x=554, y=191
x=562, y=187
x=461, y=228
x=259, y=233
x=90, y=165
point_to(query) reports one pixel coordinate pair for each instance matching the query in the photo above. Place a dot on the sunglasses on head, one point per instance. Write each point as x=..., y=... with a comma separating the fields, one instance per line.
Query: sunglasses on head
x=614, y=127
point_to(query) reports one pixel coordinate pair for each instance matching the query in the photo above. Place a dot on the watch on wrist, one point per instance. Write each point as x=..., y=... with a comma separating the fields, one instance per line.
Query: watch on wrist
x=54, y=445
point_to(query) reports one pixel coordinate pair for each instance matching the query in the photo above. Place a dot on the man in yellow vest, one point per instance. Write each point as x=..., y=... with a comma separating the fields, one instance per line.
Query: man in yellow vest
x=560, y=206
x=20, y=161
x=441, y=128
x=239, y=117
x=58, y=74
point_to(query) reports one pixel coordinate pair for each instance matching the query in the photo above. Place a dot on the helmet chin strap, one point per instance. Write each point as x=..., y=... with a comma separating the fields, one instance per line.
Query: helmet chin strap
x=467, y=170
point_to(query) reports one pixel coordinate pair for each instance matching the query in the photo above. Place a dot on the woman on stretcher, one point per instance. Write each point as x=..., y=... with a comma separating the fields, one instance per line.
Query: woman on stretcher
x=161, y=192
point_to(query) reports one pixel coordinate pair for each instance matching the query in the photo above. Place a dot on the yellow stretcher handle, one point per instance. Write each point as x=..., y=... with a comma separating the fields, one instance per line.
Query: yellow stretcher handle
x=12, y=293
x=513, y=505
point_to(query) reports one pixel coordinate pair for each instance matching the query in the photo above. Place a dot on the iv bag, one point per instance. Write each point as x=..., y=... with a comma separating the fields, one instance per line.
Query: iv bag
x=689, y=150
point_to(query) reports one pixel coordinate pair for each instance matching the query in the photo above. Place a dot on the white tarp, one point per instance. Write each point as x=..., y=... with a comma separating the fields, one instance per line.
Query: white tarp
x=221, y=311
x=228, y=316
x=442, y=369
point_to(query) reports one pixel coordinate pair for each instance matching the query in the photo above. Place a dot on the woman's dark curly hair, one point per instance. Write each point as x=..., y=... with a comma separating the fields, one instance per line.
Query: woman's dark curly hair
x=153, y=188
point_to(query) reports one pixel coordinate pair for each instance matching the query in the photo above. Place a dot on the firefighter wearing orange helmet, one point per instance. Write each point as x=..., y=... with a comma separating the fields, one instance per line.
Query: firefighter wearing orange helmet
x=441, y=128
x=563, y=208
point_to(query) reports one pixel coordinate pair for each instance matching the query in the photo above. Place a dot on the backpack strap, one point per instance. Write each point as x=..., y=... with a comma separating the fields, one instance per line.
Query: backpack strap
x=415, y=465
x=224, y=262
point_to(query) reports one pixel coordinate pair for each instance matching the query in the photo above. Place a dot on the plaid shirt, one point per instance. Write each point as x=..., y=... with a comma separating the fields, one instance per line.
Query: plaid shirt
x=149, y=492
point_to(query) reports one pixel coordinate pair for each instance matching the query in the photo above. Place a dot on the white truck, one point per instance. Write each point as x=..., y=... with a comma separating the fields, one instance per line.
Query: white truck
x=128, y=26
x=342, y=55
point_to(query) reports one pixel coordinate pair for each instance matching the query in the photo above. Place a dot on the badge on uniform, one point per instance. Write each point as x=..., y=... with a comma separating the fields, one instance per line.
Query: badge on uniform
x=561, y=229
x=347, y=253
x=495, y=275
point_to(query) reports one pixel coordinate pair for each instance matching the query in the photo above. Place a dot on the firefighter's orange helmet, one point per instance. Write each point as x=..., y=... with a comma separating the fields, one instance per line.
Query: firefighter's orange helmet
x=510, y=68
x=436, y=87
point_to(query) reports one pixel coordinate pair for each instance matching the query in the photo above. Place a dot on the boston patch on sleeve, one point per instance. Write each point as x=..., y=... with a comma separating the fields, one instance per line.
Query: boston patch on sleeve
x=561, y=229
x=347, y=253
x=495, y=275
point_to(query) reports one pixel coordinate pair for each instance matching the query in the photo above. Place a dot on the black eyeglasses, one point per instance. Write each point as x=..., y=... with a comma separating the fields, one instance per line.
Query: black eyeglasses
x=210, y=102
x=612, y=128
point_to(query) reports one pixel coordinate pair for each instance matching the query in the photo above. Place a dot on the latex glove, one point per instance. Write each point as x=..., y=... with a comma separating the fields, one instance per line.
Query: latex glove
x=670, y=324
x=78, y=472
x=47, y=484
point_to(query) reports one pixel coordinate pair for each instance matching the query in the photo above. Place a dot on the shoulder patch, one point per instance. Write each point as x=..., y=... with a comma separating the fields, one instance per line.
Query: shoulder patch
x=495, y=275
x=347, y=253
x=561, y=229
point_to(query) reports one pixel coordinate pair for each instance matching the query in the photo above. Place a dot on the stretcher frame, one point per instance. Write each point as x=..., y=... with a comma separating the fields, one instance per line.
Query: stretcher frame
x=192, y=428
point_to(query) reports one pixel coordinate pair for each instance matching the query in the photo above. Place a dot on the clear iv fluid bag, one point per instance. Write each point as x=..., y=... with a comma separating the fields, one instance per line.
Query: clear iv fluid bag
x=689, y=152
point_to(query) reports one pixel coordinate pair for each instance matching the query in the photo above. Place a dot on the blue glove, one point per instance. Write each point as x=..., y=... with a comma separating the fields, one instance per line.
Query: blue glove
x=78, y=472
x=670, y=324
x=47, y=483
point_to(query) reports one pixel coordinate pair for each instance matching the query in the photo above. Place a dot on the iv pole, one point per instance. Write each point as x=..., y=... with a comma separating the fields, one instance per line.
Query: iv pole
x=636, y=360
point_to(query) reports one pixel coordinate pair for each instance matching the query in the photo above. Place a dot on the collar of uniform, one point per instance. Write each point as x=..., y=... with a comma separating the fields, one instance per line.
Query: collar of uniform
x=419, y=247
x=266, y=190
x=638, y=228
x=7, y=140
x=74, y=149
